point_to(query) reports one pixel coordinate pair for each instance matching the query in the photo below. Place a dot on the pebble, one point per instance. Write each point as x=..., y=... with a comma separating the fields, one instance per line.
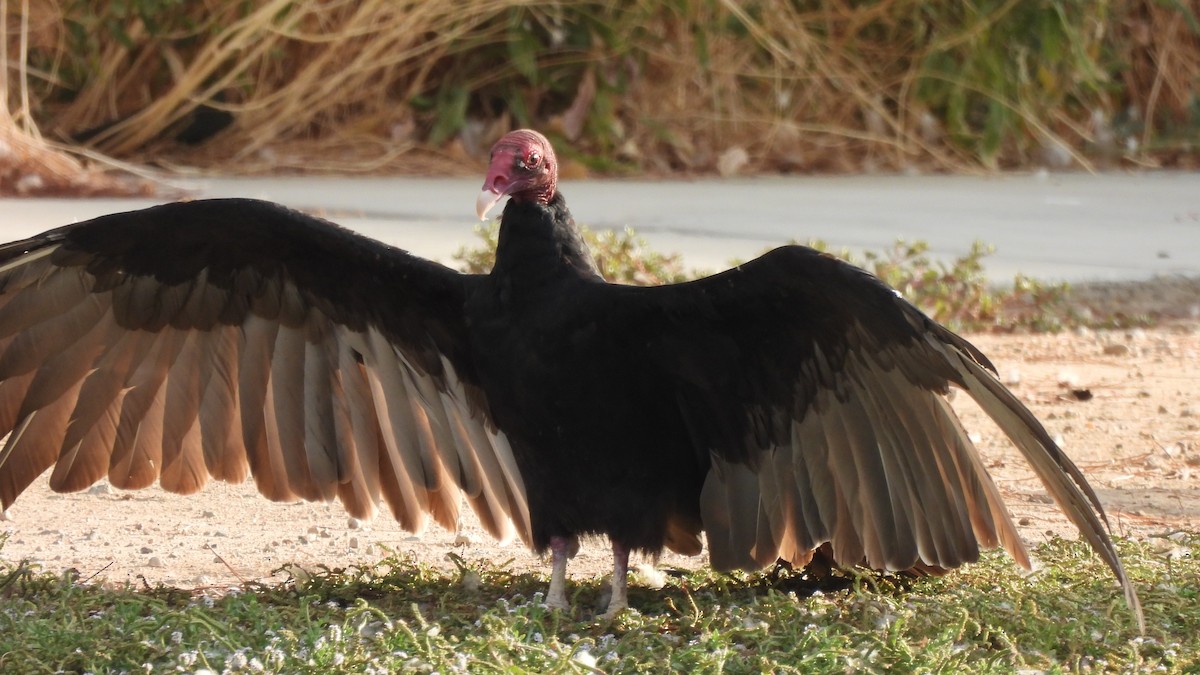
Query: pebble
x=156, y=561
x=100, y=489
x=29, y=183
x=353, y=543
x=370, y=629
x=1068, y=379
x=1154, y=462
x=353, y=524
x=147, y=549
x=463, y=539
x=732, y=161
x=1116, y=349
x=208, y=514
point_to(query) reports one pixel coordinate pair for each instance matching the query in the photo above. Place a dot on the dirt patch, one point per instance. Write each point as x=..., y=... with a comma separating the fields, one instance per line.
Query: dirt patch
x=1124, y=404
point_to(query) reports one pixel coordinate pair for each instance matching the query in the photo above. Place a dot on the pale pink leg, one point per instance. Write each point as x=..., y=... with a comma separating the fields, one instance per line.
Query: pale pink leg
x=620, y=582
x=556, y=598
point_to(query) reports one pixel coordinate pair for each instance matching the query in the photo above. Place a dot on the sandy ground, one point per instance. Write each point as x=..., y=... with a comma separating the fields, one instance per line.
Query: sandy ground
x=1136, y=436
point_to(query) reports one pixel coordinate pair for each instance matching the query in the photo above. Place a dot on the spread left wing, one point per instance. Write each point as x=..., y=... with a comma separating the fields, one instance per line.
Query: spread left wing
x=229, y=338
x=814, y=394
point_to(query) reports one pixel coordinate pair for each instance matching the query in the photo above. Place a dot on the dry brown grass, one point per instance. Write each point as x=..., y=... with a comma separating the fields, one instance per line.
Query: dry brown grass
x=681, y=86
x=29, y=164
x=31, y=167
x=1164, y=62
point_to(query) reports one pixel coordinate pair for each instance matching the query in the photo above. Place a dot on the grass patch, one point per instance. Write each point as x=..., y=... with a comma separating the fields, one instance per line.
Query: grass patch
x=401, y=616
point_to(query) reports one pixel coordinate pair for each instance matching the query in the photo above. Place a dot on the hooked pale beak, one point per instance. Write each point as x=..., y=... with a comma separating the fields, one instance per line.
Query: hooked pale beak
x=486, y=200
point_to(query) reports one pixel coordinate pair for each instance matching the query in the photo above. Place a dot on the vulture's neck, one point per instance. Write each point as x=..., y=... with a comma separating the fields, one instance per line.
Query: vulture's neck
x=540, y=241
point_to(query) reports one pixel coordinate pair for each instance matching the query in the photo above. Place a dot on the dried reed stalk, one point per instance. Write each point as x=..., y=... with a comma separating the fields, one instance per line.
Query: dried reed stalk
x=334, y=84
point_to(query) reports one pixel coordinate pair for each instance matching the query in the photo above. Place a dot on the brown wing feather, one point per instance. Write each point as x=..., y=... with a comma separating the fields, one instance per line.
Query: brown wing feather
x=816, y=395
x=183, y=470
x=221, y=439
x=883, y=472
x=1061, y=477
x=361, y=438
x=155, y=346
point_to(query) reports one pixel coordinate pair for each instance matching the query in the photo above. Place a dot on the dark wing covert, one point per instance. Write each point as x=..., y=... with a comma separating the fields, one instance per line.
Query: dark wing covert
x=231, y=337
x=816, y=395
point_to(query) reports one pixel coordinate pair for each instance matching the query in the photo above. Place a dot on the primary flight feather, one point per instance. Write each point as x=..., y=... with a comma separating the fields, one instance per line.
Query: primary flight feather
x=791, y=404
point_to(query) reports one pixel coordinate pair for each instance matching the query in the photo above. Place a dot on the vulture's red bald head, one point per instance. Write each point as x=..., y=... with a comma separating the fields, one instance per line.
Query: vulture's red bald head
x=523, y=167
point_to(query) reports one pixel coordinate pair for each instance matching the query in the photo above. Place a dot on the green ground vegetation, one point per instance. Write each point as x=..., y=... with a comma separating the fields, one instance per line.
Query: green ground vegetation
x=399, y=616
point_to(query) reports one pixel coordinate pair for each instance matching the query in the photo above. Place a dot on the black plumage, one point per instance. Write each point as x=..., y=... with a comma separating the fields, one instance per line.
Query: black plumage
x=791, y=404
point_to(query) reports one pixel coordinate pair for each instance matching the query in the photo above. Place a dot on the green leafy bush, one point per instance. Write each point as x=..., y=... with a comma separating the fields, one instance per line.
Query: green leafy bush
x=622, y=257
x=957, y=294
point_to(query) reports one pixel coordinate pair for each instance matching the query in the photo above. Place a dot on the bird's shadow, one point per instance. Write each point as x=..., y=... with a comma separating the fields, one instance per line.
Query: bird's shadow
x=399, y=585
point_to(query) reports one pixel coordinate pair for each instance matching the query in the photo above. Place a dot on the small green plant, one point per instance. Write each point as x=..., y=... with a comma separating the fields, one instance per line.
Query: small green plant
x=957, y=294
x=622, y=257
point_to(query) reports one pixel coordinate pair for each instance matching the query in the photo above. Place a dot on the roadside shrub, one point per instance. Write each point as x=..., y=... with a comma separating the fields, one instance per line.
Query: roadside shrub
x=957, y=294
x=679, y=86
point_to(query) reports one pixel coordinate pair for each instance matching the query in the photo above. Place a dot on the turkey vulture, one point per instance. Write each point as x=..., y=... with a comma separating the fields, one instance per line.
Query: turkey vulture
x=791, y=404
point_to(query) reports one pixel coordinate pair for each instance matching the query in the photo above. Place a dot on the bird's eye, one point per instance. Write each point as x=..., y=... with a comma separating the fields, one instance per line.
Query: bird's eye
x=534, y=158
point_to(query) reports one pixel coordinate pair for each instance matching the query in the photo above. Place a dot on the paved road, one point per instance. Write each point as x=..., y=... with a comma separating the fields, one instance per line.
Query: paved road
x=1072, y=226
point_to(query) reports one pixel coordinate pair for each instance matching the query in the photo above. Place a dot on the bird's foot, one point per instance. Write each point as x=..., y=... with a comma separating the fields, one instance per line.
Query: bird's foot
x=619, y=600
x=614, y=610
x=558, y=600
x=556, y=597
